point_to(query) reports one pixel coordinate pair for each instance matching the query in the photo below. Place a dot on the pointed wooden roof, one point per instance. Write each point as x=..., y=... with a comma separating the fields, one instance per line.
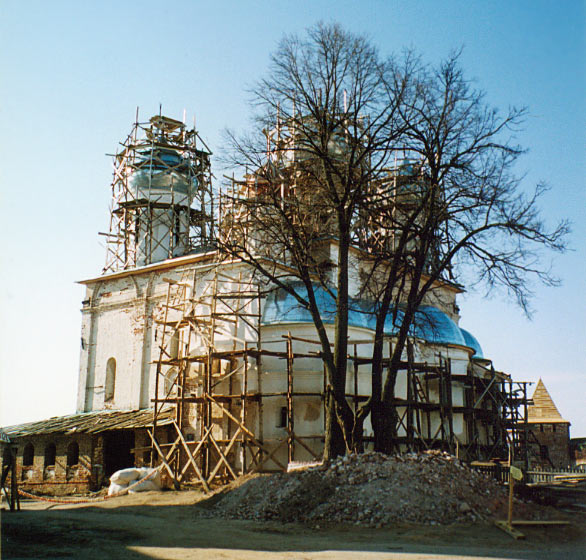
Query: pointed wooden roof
x=543, y=410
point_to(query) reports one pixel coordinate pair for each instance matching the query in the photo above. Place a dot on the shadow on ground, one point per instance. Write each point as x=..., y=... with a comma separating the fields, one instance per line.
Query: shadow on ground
x=128, y=528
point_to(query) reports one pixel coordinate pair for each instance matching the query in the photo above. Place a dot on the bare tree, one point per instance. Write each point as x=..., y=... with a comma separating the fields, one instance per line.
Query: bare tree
x=402, y=162
x=459, y=215
x=328, y=131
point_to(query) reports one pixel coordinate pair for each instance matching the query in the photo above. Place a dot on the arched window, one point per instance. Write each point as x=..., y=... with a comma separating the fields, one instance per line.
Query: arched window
x=110, y=380
x=72, y=454
x=170, y=377
x=50, y=455
x=28, y=455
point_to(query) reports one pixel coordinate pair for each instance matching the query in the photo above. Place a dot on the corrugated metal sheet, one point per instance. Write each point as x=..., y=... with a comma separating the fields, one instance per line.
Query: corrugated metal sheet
x=91, y=422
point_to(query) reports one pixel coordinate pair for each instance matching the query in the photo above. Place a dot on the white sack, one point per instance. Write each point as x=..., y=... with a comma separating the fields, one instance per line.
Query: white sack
x=115, y=488
x=146, y=486
x=125, y=476
x=156, y=478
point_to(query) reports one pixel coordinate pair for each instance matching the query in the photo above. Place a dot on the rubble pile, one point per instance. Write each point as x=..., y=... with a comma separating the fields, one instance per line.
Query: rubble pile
x=372, y=490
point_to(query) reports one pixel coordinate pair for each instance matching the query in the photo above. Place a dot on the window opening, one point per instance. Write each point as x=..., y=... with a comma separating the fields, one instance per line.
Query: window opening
x=28, y=455
x=110, y=380
x=72, y=454
x=282, y=417
x=50, y=455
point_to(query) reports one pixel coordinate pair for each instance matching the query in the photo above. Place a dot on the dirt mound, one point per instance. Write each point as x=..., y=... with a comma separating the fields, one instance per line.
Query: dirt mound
x=373, y=490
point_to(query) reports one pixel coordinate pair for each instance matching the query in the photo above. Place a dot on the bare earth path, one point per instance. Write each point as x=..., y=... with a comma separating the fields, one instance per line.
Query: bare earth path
x=167, y=525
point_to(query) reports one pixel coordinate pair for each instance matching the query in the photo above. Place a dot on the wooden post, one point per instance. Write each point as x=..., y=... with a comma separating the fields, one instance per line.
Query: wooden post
x=355, y=379
x=206, y=467
x=14, y=483
x=260, y=434
x=507, y=525
x=410, y=407
x=442, y=398
x=325, y=377
x=244, y=390
x=510, y=508
x=428, y=412
x=10, y=469
x=450, y=404
x=156, y=408
x=525, y=429
x=290, y=419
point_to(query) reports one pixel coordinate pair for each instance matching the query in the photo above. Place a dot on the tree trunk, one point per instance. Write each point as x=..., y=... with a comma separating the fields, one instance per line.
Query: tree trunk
x=386, y=433
x=384, y=417
x=357, y=443
x=334, y=438
x=344, y=413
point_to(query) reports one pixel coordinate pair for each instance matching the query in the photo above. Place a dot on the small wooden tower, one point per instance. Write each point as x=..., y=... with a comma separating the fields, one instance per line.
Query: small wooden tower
x=551, y=431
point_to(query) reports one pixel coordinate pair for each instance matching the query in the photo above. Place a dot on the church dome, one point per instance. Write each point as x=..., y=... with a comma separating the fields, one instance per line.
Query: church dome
x=471, y=342
x=431, y=324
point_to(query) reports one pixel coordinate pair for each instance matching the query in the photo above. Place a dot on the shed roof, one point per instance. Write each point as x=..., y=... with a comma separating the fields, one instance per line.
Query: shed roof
x=543, y=410
x=91, y=422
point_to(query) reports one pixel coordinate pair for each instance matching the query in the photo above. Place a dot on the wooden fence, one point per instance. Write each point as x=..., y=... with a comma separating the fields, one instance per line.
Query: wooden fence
x=535, y=476
x=558, y=475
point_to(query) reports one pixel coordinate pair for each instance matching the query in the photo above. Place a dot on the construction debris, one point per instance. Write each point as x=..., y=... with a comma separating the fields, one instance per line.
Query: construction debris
x=373, y=490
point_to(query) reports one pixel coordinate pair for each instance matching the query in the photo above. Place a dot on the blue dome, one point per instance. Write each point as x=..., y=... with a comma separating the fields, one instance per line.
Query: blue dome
x=430, y=323
x=471, y=342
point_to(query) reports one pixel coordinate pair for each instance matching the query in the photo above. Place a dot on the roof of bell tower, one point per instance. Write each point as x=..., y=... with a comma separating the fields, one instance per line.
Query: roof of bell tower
x=543, y=410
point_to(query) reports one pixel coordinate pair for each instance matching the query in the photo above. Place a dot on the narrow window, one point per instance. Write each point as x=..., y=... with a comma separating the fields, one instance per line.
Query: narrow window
x=541, y=427
x=28, y=455
x=177, y=230
x=110, y=380
x=50, y=455
x=553, y=426
x=282, y=417
x=72, y=454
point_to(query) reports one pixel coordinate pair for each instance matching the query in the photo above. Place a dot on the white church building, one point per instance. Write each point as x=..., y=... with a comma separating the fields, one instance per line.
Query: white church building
x=191, y=360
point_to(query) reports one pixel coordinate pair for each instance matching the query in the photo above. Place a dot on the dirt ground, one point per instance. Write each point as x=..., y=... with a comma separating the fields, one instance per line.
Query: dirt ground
x=169, y=525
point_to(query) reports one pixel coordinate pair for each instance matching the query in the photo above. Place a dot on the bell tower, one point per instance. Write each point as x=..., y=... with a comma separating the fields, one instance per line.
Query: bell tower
x=162, y=203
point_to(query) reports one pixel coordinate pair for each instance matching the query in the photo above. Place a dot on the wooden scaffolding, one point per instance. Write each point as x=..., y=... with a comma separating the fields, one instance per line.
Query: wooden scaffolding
x=210, y=371
x=211, y=367
x=162, y=202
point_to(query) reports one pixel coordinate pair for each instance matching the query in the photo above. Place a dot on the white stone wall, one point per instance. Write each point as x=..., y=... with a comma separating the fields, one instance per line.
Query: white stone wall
x=118, y=322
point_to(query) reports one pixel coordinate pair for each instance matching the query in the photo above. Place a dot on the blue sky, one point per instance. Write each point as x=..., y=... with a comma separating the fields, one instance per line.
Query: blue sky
x=73, y=73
